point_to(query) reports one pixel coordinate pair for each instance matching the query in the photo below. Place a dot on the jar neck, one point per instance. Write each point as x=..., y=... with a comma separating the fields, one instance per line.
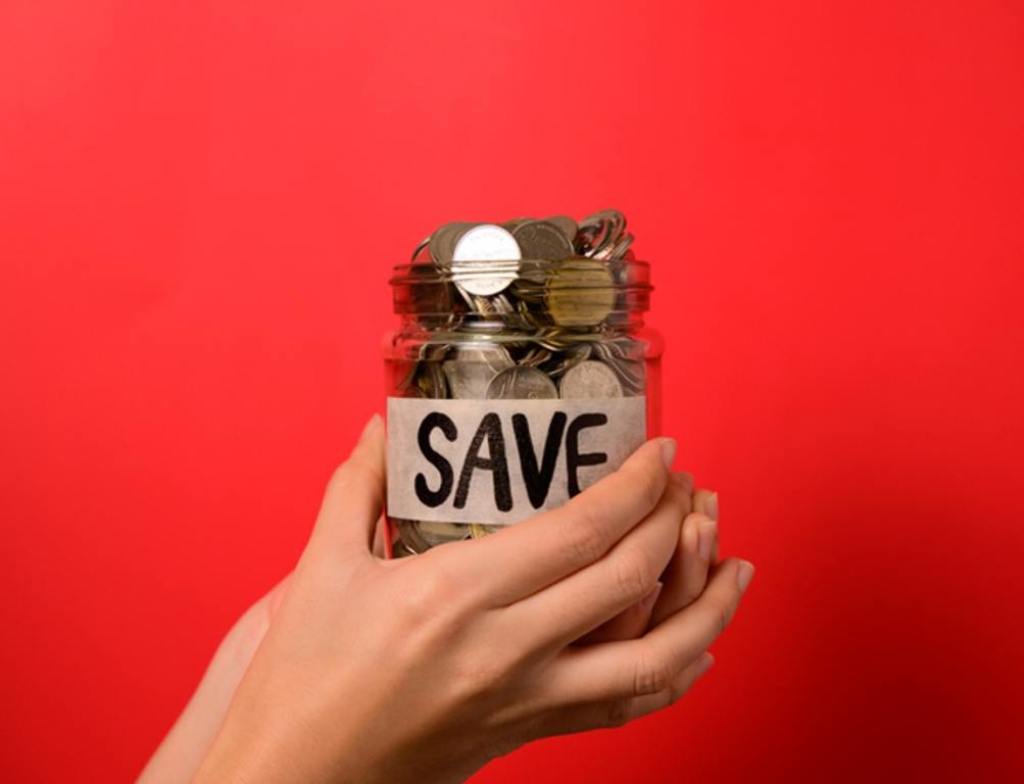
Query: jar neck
x=578, y=295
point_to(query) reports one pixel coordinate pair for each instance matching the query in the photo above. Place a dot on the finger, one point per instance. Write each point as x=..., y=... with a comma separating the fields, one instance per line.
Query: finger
x=521, y=559
x=628, y=624
x=706, y=502
x=634, y=621
x=583, y=601
x=615, y=713
x=685, y=480
x=634, y=668
x=687, y=574
x=354, y=496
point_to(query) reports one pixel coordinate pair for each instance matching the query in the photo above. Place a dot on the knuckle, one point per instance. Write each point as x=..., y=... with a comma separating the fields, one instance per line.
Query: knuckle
x=481, y=678
x=649, y=487
x=635, y=577
x=584, y=536
x=651, y=676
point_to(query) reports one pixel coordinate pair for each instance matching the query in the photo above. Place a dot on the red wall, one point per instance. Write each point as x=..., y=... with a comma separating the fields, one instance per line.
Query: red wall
x=199, y=206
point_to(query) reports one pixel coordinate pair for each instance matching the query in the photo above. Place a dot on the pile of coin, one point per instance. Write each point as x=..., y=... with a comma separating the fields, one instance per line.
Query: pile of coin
x=524, y=310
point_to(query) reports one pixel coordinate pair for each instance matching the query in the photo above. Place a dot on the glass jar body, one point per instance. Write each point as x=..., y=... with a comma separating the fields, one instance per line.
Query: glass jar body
x=510, y=407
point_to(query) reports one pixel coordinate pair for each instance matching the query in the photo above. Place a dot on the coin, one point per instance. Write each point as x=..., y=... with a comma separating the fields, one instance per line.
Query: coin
x=473, y=367
x=521, y=383
x=511, y=224
x=581, y=293
x=478, y=531
x=400, y=550
x=429, y=380
x=566, y=225
x=542, y=240
x=440, y=533
x=442, y=242
x=599, y=232
x=589, y=379
x=477, y=259
x=409, y=537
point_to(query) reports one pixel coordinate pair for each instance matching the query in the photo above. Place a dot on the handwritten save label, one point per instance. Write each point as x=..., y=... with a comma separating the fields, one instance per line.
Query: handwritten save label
x=499, y=461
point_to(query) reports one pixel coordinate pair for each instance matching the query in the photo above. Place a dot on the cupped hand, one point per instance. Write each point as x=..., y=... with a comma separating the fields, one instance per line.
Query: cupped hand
x=425, y=668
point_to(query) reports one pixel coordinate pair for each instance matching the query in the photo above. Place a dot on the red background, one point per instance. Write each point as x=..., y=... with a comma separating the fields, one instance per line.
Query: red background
x=199, y=206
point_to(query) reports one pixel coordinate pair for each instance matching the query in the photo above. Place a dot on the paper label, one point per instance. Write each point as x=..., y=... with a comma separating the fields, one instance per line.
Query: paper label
x=499, y=461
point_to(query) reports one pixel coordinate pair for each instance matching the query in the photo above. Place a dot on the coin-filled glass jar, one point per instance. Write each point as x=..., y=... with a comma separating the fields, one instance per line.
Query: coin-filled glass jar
x=521, y=373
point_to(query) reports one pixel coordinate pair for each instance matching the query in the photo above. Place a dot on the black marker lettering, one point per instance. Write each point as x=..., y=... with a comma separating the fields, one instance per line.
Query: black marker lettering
x=490, y=427
x=538, y=480
x=573, y=458
x=427, y=496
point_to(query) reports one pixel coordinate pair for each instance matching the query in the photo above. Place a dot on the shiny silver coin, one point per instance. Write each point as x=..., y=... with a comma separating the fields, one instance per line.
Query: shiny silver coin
x=590, y=379
x=442, y=242
x=542, y=240
x=472, y=368
x=521, y=383
x=485, y=260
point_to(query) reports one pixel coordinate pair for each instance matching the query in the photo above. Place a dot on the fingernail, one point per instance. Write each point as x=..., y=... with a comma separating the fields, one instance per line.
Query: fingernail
x=372, y=425
x=744, y=574
x=668, y=451
x=705, y=539
x=711, y=506
x=648, y=601
x=704, y=664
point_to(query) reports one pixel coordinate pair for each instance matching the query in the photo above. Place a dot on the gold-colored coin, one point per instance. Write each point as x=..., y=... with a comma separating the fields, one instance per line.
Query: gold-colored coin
x=478, y=531
x=581, y=293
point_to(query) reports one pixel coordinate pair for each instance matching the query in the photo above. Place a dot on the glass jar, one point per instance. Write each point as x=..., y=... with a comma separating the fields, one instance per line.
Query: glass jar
x=507, y=402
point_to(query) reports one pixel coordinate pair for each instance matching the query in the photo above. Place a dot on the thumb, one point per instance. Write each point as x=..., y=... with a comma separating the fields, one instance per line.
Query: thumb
x=354, y=497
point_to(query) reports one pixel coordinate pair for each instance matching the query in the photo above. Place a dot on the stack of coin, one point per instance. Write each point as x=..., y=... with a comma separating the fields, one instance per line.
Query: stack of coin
x=523, y=310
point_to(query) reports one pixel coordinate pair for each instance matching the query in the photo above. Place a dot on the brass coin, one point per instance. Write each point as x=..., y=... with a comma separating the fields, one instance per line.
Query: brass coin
x=580, y=294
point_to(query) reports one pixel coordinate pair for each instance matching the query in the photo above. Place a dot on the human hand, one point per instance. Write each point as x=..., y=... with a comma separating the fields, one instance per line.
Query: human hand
x=427, y=667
